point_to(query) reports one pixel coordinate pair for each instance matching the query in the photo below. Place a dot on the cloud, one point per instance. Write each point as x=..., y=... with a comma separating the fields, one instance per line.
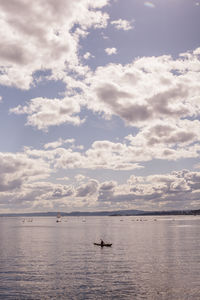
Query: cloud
x=111, y=51
x=62, y=191
x=43, y=112
x=38, y=196
x=146, y=89
x=159, y=97
x=56, y=144
x=109, y=155
x=17, y=169
x=87, y=189
x=106, y=191
x=65, y=178
x=107, y=186
x=47, y=28
x=162, y=133
x=122, y=24
x=176, y=190
x=23, y=186
x=167, y=141
x=87, y=55
x=80, y=177
x=158, y=140
x=197, y=166
x=101, y=155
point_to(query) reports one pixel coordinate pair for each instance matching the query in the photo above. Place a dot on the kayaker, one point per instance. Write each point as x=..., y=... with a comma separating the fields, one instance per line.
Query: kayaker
x=102, y=243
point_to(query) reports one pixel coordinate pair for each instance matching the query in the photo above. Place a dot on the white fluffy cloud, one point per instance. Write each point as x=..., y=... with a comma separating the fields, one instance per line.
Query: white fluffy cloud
x=171, y=191
x=163, y=140
x=56, y=144
x=101, y=155
x=39, y=35
x=146, y=91
x=24, y=185
x=17, y=169
x=87, y=55
x=151, y=88
x=43, y=112
x=122, y=24
x=111, y=51
x=24, y=188
x=61, y=191
x=156, y=141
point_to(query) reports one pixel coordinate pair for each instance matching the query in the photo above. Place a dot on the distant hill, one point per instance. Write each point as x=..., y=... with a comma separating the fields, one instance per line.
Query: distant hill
x=75, y=213
x=105, y=213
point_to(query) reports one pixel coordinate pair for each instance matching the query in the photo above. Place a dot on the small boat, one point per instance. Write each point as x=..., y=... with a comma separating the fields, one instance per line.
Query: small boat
x=58, y=218
x=103, y=245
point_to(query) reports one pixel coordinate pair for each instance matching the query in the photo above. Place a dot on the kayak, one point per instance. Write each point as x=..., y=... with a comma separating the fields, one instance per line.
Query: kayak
x=104, y=245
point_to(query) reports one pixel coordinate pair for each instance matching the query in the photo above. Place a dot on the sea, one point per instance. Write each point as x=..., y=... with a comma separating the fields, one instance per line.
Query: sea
x=150, y=258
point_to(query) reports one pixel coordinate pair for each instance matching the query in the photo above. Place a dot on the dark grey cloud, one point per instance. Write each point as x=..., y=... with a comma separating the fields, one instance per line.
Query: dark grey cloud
x=13, y=53
x=133, y=113
x=110, y=94
x=162, y=103
x=9, y=185
x=163, y=133
x=87, y=189
x=106, y=190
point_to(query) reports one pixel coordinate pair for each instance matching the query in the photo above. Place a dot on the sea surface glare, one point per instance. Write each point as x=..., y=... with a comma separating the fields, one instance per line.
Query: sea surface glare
x=149, y=259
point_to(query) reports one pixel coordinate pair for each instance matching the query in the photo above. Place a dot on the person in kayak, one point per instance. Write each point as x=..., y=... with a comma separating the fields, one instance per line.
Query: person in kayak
x=102, y=243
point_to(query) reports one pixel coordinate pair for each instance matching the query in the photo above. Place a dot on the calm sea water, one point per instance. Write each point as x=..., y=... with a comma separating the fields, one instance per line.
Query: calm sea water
x=149, y=259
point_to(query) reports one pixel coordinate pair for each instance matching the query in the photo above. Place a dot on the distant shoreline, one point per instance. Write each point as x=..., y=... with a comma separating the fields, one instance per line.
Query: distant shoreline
x=104, y=213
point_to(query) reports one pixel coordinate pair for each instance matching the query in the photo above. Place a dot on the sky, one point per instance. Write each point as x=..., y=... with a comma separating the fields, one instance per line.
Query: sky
x=99, y=105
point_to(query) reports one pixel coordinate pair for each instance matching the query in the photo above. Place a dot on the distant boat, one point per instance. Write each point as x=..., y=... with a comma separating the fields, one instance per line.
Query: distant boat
x=103, y=245
x=58, y=217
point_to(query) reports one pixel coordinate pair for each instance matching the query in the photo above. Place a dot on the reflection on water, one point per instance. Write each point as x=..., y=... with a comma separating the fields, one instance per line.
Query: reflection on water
x=43, y=259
